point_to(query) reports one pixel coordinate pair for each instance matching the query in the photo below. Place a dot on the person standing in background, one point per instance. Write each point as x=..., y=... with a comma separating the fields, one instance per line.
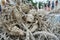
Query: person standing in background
x=45, y=5
x=56, y=2
x=48, y=5
x=0, y=8
x=52, y=4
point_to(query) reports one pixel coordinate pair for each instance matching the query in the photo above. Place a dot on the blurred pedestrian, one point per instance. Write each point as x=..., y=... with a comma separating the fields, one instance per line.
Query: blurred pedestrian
x=45, y=5
x=0, y=8
x=52, y=4
x=56, y=2
x=49, y=5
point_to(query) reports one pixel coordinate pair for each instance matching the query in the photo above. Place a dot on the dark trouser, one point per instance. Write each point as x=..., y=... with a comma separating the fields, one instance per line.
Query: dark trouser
x=52, y=7
x=0, y=8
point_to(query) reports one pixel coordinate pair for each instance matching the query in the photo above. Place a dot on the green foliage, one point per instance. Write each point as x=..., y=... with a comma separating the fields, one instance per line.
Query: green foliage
x=34, y=4
x=40, y=4
x=29, y=0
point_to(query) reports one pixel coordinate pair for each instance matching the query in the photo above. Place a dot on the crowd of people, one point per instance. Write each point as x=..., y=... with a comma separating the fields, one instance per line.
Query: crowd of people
x=50, y=5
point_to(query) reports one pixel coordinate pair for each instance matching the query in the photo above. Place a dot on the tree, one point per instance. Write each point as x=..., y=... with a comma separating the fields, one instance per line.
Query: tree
x=34, y=4
x=40, y=4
